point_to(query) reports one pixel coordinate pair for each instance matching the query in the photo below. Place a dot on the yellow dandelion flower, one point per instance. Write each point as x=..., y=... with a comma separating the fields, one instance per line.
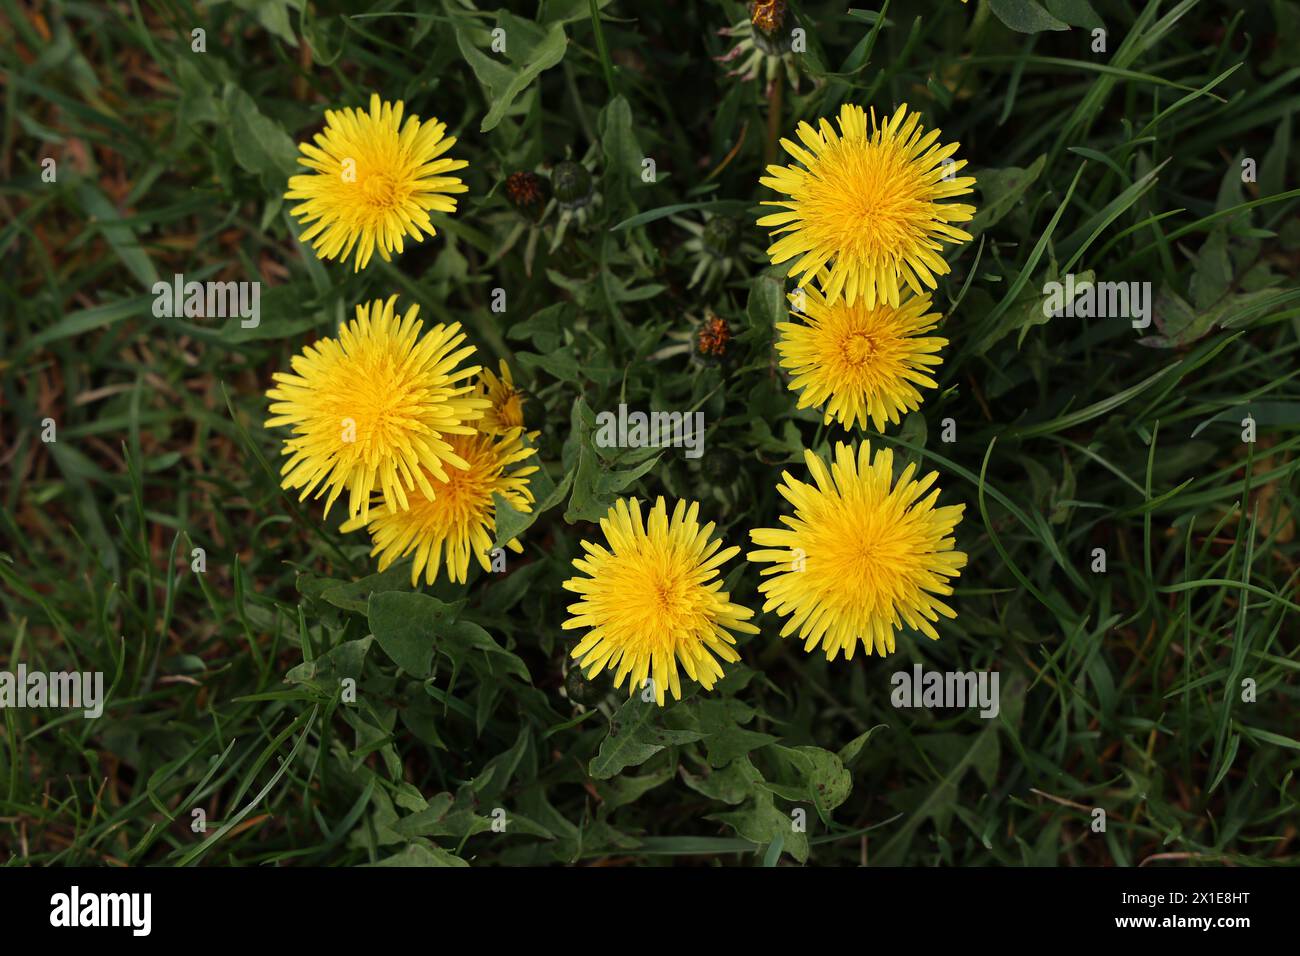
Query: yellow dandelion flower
x=372, y=409
x=862, y=555
x=507, y=408
x=461, y=519
x=859, y=362
x=373, y=182
x=865, y=205
x=652, y=599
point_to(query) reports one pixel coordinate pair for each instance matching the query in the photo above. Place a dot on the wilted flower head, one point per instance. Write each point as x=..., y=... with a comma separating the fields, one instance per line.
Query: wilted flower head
x=767, y=15
x=527, y=192
x=765, y=45
x=713, y=337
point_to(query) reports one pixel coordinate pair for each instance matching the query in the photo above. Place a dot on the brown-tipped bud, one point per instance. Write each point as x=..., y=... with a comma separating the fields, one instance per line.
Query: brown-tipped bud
x=527, y=192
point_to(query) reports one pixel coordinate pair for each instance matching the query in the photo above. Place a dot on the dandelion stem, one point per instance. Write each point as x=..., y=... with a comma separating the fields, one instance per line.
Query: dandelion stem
x=774, y=95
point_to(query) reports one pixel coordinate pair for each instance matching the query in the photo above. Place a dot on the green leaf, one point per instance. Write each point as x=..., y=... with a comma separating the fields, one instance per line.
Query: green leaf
x=440, y=820
x=767, y=303
x=120, y=236
x=763, y=823
x=1272, y=168
x=595, y=483
x=1025, y=16
x=734, y=784
x=545, y=327
x=1077, y=13
x=1001, y=189
x=530, y=53
x=1265, y=414
x=420, y=854
x=849, y=752
x=460, y=639
x=773, y=854
x=324, y=672
x=635, y=735
x=725, y=206
x=1181, y=324
x=355, y=595
x=567, y=11
x=1029, y=309
x=260, y=145
x=510, y=524
x=560, y=364
x=274, y=15
x=937, y=801
x=618, y=791
x=420, y=822
x=825, y=782
x=406, y=624
x=720, y=720
x=623, y=154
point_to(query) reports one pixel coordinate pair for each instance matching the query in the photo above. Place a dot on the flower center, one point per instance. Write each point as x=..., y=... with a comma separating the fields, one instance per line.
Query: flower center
x=859, y=347
x=867, y=198
x=665, y=596
x=379, y=190
x=510, y=410
x=667, y=609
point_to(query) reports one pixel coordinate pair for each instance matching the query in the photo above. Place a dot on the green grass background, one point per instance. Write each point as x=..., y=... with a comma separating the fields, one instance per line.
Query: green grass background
x=1120, y=690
